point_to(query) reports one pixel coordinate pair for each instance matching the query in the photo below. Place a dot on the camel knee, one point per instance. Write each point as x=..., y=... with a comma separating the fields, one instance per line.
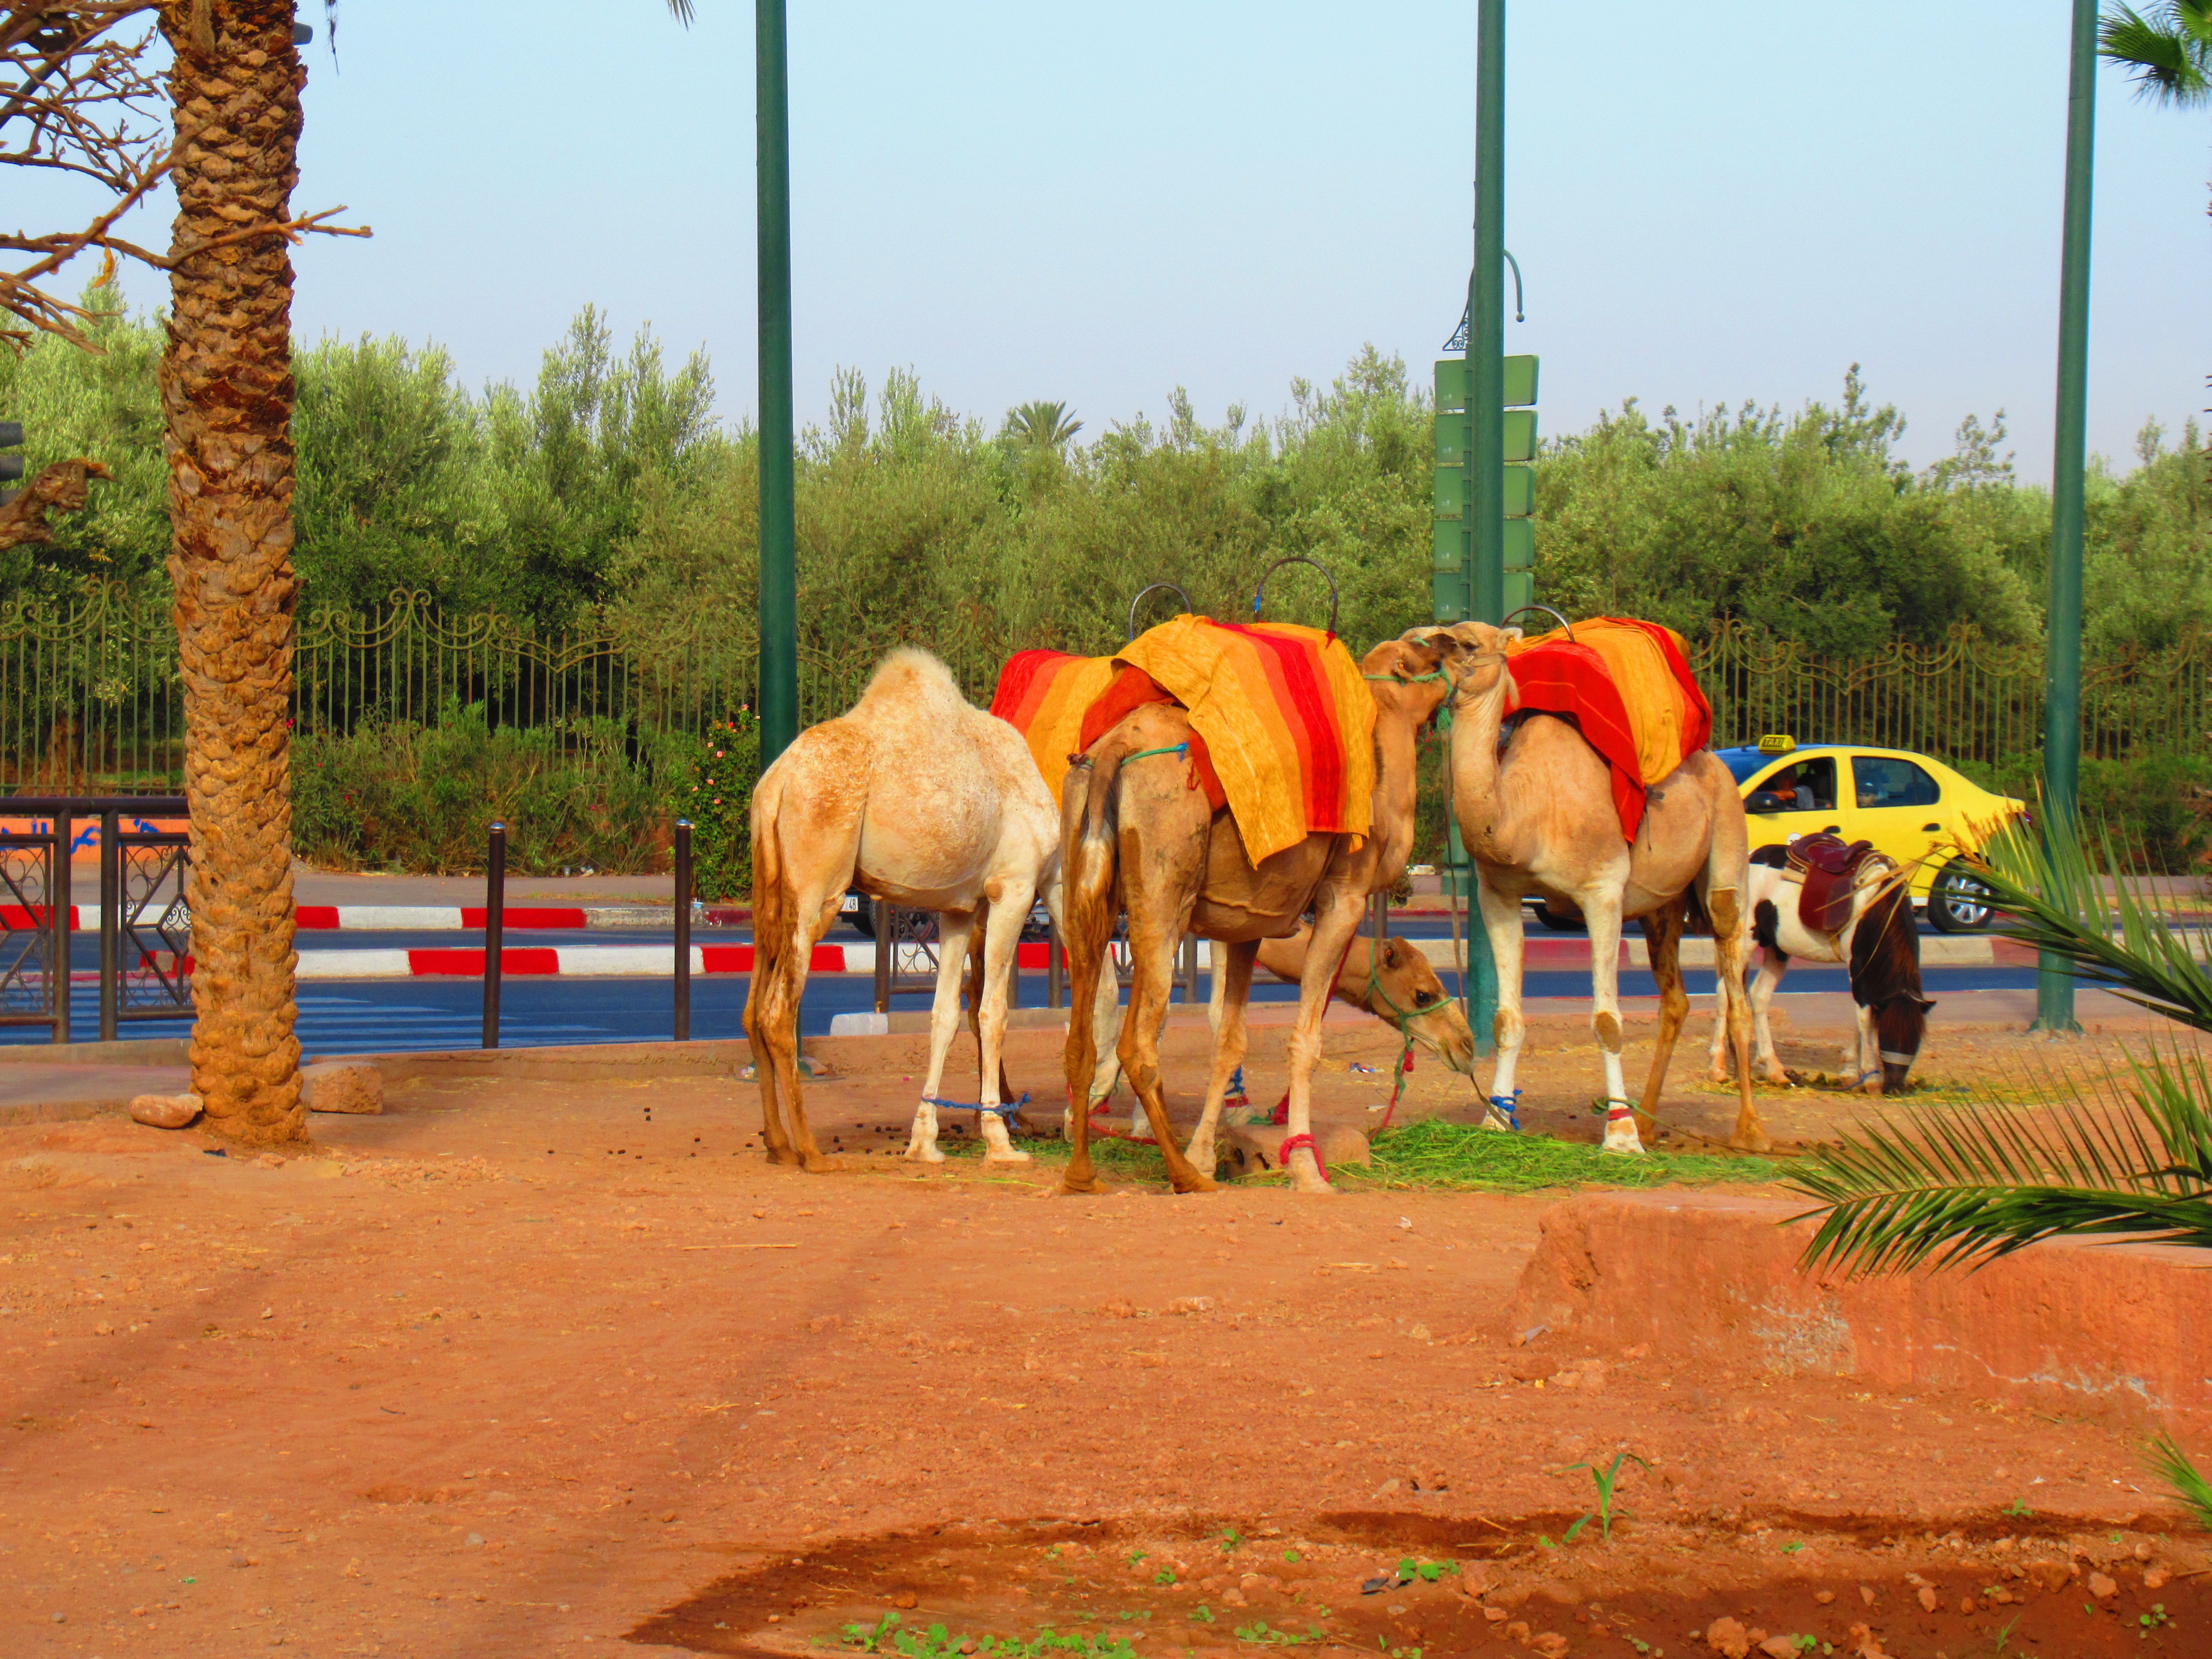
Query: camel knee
x=1507, y=1027
x=1725, y=912
x=1607, y=1024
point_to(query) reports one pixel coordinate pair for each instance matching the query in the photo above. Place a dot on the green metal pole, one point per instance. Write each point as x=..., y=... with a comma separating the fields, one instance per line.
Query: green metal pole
x=779, y=534
x=2061, y=689
x=1485, y=407
x=1485, y=323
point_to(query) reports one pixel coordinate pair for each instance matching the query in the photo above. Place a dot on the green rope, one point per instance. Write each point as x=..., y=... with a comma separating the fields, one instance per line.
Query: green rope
x=1144, y=754
x=1418, y=679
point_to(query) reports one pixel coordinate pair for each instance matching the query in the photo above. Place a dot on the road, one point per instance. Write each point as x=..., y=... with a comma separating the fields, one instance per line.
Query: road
x=362, y=1016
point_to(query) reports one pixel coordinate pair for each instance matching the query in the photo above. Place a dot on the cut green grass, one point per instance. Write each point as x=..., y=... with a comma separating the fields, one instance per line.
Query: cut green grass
x=1442, y=1156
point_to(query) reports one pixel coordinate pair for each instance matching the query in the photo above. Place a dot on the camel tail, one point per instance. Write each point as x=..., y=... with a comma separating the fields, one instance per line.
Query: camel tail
x=771, y=928
x=1089, y=854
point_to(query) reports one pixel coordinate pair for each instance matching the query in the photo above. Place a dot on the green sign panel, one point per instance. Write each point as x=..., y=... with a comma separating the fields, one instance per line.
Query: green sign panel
x=1452, y=548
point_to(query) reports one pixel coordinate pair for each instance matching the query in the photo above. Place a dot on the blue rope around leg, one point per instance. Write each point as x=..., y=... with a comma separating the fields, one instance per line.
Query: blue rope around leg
x=1005, y=1110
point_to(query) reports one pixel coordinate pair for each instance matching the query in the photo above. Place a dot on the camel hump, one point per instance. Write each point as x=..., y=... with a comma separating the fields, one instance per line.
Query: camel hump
x=910, y=674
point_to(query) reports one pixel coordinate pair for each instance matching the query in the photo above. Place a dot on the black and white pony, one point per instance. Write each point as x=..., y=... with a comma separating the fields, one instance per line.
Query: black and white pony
x=1878, y=941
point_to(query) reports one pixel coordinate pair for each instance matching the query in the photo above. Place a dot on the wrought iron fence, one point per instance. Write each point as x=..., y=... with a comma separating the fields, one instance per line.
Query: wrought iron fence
x=90, y=698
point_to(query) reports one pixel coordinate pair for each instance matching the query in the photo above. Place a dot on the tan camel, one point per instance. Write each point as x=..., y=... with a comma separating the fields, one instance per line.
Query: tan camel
x=1540, y=819
x=1136, y=837
x=922, y=799
x=1402, y=990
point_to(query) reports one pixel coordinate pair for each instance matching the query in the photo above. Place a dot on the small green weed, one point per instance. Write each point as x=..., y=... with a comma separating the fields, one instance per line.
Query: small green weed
x=1203, y=1613
x=1426, y=1571
x=1290, y=1555
x=1164, y=1576
x=1607, y=1479
x=1260, y=1633
x=1230, y=1538
x=938, y=1642
x=1794, y=1546
x=2155, y=1618
x=1136, y=1557
x=2018, y=1507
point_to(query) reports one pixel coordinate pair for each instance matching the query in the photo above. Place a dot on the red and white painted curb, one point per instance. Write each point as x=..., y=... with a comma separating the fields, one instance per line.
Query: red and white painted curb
x=587, y=961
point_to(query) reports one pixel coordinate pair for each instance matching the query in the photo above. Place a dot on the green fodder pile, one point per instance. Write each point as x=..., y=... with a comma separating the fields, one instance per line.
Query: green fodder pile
x=1445, y=1156
x=1439, y=1156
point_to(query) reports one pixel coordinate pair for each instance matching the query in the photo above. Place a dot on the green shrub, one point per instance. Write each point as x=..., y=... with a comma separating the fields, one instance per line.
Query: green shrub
x=420, y=798
x=2146, y=804
x=713, y=780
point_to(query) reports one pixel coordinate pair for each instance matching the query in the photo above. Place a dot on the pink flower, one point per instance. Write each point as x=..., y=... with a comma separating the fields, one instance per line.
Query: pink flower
x=718, y=754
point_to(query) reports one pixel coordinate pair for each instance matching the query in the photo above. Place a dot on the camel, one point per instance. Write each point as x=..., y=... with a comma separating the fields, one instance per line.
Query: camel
x=1403, y=991
x=1136, y=835
x=1540, y=819
x=922, y=799
x=1878, y=941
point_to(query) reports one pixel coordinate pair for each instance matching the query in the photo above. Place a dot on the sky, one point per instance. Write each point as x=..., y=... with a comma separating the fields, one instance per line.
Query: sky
x=1712, y=202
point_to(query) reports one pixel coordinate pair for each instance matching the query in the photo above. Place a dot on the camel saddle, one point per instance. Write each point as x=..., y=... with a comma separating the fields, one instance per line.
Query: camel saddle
x=1828, y=865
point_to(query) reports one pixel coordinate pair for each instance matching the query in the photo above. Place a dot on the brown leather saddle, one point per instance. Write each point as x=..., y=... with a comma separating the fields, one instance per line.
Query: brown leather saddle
x=1827, y=864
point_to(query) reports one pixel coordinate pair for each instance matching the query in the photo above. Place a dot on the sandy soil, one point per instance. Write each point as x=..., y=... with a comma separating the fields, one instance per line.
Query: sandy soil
x=544, y=1367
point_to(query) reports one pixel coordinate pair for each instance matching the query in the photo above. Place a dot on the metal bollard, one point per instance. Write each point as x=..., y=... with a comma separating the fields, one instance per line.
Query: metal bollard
x=683, y=930
x=59, y=905
x=110, y=923
x=1055, y=970
x=494, y=930
x=884, y=950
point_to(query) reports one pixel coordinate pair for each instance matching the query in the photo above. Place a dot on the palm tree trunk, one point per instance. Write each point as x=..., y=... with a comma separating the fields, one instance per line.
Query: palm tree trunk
x=227, y=404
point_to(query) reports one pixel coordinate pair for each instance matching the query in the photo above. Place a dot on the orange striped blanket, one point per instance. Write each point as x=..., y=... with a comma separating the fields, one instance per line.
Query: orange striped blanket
x=1628, y=685
x=1287, y=724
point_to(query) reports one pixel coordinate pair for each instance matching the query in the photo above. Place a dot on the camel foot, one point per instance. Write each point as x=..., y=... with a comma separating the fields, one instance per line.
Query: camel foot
x=823, y=1164
x=1202, y=1154
x=1195, y=1181
x=1752, y=1139
x=1716, y=1074
x=1494, y=1119
x=1626, y=1146
x=924, y=1152
x=1085, y=1181
x=784, y=1155
x=1779, y=1077
x=1011, y=1155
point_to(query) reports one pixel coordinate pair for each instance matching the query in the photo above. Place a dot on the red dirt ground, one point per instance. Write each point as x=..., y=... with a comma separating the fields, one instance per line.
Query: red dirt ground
x=550, y=1367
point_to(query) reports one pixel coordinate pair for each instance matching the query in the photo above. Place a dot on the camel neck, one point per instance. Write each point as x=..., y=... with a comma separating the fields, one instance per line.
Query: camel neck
x=1475, y=726
x=1397, y=759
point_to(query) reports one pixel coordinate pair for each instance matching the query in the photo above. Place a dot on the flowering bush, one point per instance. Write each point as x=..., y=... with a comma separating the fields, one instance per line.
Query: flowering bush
x=714, y=790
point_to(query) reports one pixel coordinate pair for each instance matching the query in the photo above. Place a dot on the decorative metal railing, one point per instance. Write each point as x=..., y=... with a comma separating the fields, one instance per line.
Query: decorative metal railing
x=90, y=697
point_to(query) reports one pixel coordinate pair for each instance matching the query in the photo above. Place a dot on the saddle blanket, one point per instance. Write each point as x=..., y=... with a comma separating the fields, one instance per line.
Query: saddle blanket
x=1629, y=687
x=1286, y=722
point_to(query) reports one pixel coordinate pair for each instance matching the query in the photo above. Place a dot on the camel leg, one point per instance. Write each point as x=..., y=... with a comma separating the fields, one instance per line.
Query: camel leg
x=953, y=928
x=1725, y=906
x=1601, y=911
x=1501, y=921
x=1716, y=1065
x=1772, y=965
x=1152, y=941
x=771, y=1031
x=1090, y=984
x=1105, y=1032
x=804, y=1150
x=1336, y=921
x=1001, y=935
x=975, y=994
x=1868, y=1072
x=1662, y=939
x=1232, y=985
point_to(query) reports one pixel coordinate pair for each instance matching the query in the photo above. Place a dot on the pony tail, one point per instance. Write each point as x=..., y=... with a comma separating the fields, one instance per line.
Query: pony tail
x=1088, y=825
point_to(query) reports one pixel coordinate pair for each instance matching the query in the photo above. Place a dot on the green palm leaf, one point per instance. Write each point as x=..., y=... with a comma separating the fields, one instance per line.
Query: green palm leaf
x=681, y=10
x=2171, y=1465
x=2170, y=51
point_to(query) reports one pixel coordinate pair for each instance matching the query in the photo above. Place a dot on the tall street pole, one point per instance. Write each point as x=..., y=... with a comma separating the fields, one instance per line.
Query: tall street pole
x=779, y=534
x=2061, y=689
x=1485, y=407
x=1485, y=323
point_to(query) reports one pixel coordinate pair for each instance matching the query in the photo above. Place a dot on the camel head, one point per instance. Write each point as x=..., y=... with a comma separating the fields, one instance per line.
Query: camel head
x=1415, y=999
x=1409, y=677
x=1471, y=654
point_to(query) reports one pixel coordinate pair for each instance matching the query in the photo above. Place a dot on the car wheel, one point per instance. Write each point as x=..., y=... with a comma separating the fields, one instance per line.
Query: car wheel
x=1957, y=903
x=1560, y=924
x=864, y=919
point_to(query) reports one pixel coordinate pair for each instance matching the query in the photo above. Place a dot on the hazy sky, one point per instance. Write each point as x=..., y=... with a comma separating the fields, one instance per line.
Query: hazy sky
x=1714, y=202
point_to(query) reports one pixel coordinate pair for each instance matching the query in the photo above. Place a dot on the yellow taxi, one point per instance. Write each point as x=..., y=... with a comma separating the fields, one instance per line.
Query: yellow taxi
x=1911, y=806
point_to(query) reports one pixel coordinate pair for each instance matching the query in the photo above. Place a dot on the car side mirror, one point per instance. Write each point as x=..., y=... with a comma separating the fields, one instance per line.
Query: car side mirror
x=1766, y=800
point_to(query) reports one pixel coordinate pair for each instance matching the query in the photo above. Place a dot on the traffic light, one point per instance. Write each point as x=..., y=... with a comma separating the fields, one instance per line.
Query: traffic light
x=1452, y=562
x=11, y=466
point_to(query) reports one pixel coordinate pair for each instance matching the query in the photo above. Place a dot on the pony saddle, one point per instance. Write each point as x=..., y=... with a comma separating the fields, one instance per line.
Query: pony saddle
x=1828, y=865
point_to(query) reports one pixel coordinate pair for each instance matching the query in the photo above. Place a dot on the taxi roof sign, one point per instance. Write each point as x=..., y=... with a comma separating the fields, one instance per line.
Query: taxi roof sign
x=1776, y=743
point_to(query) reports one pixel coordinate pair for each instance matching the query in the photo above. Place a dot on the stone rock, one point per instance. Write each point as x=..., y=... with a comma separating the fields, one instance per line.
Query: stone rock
x=1727, y=1637
x=338, y=1085
x=2102, y=1587
x=165, y=1111
x=1927, y=1599
x=1779, y=1647
x=2157, y=1579
x=1551, y=1644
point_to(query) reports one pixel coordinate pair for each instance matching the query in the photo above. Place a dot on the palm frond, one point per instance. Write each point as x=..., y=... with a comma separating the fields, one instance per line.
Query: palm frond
x=2171, y=1465
x=2169, y=53
x=681, y=10
x=2109, y=928
x=1950, y=1186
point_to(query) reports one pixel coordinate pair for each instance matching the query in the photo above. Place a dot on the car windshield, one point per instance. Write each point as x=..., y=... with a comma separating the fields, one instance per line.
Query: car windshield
x=1743, y=761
